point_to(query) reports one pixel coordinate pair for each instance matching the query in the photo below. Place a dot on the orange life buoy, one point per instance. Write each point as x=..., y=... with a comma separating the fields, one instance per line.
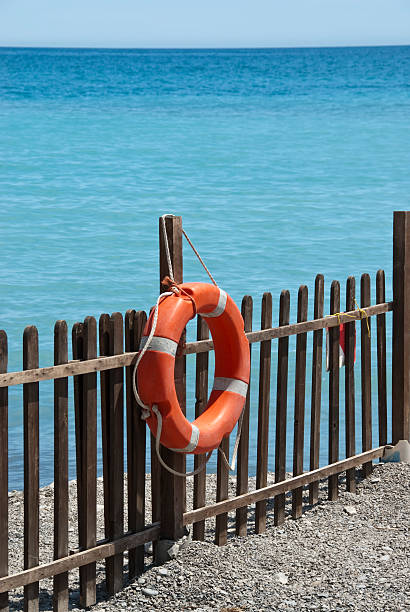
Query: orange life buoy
x=155, y=373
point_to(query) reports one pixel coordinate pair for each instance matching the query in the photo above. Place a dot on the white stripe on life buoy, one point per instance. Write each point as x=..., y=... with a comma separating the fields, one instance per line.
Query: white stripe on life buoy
x=230, y=384
x=192, y=444
x=160, y=344
x=220, y=306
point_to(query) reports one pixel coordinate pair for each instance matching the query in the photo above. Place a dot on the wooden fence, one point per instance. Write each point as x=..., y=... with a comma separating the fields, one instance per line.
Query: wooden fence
x=169, y=514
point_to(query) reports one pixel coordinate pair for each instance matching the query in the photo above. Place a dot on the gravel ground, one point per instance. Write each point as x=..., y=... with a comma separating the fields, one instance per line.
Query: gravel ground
x=352, y=554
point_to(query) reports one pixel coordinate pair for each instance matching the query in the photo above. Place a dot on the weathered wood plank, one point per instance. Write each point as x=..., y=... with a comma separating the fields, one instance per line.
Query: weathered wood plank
x=88, y=458
x=366, y=363
x=104, y=345
x=299, y=417
x=294, y=328
x=243, y=449
x=281, y=407
x=76, y=367
x=115, y=448
x=381, y=359
x=81, y=558
x=60, y=587
x=4, y=517
x=173, y=487
x=78, y=353
x=316, y=400
x=201, y=396
x=263, y=413
x=136, y=445
x=222, y=483
x=334, y=336
x=280, y=488
x=31, y=467
x=350, y=409
x=401, y=327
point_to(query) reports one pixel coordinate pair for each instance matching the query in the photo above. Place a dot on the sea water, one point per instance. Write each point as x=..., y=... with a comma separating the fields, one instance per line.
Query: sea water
x=283, y=163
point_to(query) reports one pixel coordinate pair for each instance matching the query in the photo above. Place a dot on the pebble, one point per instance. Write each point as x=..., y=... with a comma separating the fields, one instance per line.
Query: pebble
x=149, y=592
x=281, y=578
x=326, y=561
x=350, y=510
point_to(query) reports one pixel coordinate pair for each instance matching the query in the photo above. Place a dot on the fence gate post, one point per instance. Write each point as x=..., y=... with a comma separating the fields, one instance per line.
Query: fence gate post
x=401, y=327
x=172, y=495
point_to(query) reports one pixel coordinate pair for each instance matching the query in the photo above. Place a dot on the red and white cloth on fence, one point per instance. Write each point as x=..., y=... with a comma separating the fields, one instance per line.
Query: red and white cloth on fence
x=342, y=347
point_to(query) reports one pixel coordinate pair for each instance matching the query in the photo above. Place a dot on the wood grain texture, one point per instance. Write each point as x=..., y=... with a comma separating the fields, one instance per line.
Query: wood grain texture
x=115, y=448
x=60, y=587
x=172, y=491
x=31, y=467
x=243, y=449
x=201, y=400
x=88, y=460
x=299, y=416
x=78, y=353
x=4, y=518
x=263, y=413
x=281, y=407
x=401, y=327
x=350, y=408
x=76, y=367
x=136, y=445
x=104, y=346
x=334, y=336
x=222, y=484
x=291, y=330
x=366, y=370
x=280, y=488
x=79, y=559
x=381, y=359
x=316, y=398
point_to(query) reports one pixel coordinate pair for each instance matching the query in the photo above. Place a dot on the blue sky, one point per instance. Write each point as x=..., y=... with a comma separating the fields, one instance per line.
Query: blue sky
x=200, y=23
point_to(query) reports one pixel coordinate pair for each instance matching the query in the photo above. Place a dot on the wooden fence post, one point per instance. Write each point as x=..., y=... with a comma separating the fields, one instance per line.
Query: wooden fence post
x=4, y=465
x=173, y=487
x=401, y=327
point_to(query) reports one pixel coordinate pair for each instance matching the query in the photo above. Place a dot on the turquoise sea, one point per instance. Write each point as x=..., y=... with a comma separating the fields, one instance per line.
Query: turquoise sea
x=283, y=163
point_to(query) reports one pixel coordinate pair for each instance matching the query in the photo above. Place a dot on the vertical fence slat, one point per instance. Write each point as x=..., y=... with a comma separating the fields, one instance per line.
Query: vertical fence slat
x=381, y=359
x=31, y=466
x=114, y=564
x=104, y=345
x=136, y=444
x=350, y=409
x=334, y=336
x=222, y=483
x=201, y=396
x=316, y=388
x=366, y=373
x=281, y=407
x=300, y=385
x=88, y=459
x=243, y=449
x=78, y=353
x=60, y=591
x=4, y=518
x=155, y=480
x=263, y=413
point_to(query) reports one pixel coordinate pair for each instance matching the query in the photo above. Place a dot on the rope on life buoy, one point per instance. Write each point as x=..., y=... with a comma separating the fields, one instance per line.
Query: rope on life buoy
x=146, y=410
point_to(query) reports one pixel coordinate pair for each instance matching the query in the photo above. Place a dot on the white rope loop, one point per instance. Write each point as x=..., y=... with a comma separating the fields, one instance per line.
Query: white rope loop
x=146, y=410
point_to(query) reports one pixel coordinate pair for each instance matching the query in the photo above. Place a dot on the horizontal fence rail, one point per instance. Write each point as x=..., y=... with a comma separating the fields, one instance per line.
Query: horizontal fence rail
x=79, y=559
x=76, y=367
x=290, y=484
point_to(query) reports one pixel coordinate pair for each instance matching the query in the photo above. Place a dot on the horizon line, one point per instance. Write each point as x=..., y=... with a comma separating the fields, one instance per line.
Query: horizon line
x=203, y=48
